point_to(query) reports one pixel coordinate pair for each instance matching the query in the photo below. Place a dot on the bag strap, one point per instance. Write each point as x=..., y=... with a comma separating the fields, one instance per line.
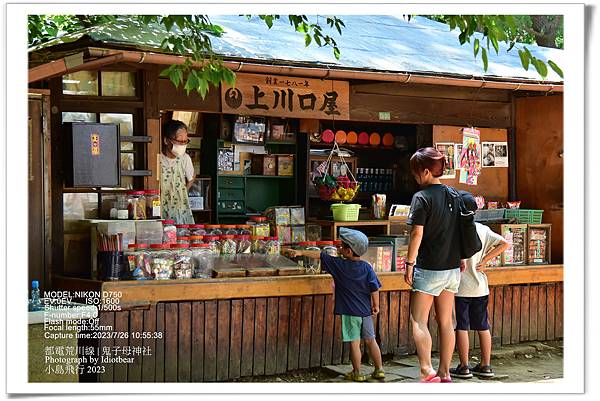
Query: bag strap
x=462, y=208
x=450, y=198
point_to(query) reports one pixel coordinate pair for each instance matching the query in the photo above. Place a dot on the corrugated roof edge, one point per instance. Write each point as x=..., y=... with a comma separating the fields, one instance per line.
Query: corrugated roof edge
x=295, y=64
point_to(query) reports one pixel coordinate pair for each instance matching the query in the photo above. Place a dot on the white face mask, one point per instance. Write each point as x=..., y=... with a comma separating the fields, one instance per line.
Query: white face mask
x=178, y=150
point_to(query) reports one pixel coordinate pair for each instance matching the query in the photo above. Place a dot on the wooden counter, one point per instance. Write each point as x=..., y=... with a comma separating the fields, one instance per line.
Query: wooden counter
x=222, y=329
x=145, y=292
x=332, y=226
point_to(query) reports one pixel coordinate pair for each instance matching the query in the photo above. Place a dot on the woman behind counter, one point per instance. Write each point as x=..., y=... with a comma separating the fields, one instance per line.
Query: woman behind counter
x=177, y=173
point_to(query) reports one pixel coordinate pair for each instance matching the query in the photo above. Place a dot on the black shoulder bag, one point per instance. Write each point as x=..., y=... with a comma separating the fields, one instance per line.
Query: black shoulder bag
x=470, y=243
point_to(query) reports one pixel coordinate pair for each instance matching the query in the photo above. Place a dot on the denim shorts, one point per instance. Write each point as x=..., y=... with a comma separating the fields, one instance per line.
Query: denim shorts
x=433, y=282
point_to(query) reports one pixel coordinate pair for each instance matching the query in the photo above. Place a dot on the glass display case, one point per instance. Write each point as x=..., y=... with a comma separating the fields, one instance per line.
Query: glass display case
x=516, y=236
x=538, y=244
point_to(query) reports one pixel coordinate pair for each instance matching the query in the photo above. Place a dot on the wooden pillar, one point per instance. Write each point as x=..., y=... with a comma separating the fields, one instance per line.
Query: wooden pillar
x=152, y=119
x=56, y=176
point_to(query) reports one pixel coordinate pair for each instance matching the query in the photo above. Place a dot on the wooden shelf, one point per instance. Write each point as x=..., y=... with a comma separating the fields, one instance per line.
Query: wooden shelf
x=288, y=177
x=333, y=225
x=136, y=138
x=94, y=190
x=322, y=145
x=256, y=176
x=136, y=173
x=280, y=143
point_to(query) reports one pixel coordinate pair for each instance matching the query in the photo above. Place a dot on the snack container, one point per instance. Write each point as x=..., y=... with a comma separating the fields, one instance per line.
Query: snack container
x=278, y=215
x=298, y=234
x=297, y=216
x=284, y=233
x=169, y=232
x=183, y=266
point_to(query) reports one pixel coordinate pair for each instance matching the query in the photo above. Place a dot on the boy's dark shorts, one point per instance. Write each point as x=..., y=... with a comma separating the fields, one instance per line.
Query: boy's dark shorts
x=471, y=313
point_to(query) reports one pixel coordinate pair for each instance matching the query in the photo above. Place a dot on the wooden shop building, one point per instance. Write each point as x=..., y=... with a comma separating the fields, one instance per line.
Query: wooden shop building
x=216, y=329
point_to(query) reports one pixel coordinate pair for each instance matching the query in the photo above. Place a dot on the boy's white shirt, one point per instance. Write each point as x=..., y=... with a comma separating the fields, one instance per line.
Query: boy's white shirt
x=472, y=282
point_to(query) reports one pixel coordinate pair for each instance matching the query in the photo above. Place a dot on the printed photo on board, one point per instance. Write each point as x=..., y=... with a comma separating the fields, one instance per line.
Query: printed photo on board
x=447, y=149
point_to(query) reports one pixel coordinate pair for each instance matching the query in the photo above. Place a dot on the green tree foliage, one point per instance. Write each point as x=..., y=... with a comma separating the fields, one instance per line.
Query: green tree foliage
x=545, y=30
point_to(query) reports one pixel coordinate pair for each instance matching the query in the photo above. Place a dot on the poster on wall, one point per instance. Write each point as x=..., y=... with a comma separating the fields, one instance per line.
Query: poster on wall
x=457, y=152
x=470, y=157
x=495, y=154
x=447, y=149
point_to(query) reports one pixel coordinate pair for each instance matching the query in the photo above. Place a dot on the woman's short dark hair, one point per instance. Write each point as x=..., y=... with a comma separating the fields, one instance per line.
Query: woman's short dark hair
x=170, y=128
x=430, y=159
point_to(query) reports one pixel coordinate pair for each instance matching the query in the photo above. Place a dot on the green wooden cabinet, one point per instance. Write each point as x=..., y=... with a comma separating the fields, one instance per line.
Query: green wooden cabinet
x=239, y=195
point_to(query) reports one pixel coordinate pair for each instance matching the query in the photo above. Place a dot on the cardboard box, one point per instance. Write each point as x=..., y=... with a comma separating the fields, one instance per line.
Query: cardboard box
x=285, y=165
x=245, y=160
x=196, y=202
x=264, y=164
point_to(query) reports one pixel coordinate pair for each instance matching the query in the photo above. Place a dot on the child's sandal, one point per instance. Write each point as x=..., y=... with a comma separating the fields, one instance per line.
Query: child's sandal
x=355, y=376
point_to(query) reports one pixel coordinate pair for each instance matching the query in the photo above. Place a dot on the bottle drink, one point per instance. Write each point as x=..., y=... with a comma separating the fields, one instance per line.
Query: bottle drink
x=35, y=303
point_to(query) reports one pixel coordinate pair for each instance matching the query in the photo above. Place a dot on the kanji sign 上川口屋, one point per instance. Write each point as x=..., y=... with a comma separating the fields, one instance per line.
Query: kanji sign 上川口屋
x=271, y=95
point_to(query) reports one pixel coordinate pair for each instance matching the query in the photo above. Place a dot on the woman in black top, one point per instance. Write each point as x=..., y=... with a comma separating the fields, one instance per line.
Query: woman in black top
x=433, y=262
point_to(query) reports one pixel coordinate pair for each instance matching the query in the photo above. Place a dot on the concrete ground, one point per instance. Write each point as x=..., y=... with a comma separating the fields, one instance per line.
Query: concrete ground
x=526, y=362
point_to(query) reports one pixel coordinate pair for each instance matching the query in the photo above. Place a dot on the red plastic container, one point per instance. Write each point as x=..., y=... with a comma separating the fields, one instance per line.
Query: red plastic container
x=352, y=138
x=328, y=136
x=388, y=139
x=374, y=139
x=363, y=138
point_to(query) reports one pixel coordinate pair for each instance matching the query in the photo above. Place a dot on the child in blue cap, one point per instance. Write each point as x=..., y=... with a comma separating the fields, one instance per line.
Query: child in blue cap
x=356, y=297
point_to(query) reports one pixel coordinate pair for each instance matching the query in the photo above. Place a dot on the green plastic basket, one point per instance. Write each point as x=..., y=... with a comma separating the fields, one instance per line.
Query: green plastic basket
x=525, y=216
x=343, y=212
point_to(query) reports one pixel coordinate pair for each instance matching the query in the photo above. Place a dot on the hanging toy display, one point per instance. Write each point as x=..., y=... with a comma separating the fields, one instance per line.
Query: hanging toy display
x=340, y=189
x=470, y=157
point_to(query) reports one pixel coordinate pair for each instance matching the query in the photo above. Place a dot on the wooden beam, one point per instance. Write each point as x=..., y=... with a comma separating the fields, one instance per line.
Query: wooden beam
x=230, y=288
x=172, y=98
x=423, y=110
x=69, y=64
x=433, y=91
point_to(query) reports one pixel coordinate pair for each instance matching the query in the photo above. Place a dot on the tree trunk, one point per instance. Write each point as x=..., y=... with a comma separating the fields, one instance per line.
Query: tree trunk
x=545, y=29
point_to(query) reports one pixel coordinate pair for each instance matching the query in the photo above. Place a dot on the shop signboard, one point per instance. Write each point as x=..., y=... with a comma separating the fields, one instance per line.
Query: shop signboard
x=282, y=96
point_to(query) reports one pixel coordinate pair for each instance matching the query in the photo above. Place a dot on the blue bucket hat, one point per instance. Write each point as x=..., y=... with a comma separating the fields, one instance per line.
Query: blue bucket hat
x=357, y=241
